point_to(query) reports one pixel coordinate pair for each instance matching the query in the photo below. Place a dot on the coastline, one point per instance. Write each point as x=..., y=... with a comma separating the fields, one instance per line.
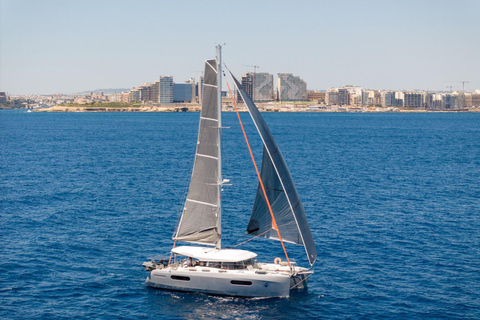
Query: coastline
x=267, y=107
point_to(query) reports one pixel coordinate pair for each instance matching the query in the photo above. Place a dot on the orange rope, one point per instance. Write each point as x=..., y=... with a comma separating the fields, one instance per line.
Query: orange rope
x=274, y=222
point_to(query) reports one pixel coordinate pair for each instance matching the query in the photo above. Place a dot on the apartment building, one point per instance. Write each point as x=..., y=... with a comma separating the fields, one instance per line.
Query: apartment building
x=166, y=89
x=291, y=88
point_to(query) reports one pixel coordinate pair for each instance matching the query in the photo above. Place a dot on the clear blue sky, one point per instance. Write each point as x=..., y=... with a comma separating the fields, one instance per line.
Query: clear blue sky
x=69, y=46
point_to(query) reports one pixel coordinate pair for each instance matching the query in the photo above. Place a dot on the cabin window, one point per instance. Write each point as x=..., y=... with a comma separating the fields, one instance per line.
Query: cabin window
x=180, y=278
x=213, y=264
x=238, y=265
x=241, y=283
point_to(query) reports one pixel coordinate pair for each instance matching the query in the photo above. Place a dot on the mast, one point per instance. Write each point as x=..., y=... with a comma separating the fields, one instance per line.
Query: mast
x=218, y=244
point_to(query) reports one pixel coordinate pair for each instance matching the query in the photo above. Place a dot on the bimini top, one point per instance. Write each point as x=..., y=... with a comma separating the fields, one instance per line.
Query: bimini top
x=212, y=254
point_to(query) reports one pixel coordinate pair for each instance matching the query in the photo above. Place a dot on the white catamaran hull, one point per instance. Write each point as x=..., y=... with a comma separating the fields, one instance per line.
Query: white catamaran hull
x=238, y=283
x=277, y=214
x=298, y=281
x=270, y=280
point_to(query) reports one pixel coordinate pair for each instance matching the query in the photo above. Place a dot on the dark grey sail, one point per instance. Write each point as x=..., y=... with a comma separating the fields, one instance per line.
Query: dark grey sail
x=199, y=221
x=281, y=192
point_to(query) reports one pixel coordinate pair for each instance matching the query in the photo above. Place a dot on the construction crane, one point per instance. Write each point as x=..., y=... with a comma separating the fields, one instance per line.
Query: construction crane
x=463, y=85
x=450, y=88
x=462, y=82
x=254, y=76
x=254, y=67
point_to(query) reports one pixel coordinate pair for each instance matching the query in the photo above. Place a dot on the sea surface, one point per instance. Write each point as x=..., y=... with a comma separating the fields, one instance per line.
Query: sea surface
x=393, y=202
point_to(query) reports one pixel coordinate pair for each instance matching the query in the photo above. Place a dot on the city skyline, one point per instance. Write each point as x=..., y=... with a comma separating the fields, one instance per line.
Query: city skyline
x=53, y=46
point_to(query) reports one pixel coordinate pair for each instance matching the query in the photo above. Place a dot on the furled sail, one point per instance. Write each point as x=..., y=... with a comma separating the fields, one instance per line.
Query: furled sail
x=199, y=220
x=281, y=192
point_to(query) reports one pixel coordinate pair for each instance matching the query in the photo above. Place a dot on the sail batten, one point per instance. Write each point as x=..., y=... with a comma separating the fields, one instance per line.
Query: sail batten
x=199, y=221
x=207, y=156
x=210, y=85
x=205, y=203
x=209, y=119
x=280, y=190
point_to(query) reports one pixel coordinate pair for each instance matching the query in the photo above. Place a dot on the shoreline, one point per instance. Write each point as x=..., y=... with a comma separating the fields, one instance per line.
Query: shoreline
x=262, y=108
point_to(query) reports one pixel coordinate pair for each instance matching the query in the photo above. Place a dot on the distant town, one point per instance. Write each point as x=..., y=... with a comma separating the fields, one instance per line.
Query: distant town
x=289, y=94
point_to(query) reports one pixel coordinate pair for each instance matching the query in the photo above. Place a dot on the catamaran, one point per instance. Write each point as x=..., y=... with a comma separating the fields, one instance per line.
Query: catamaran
x=277, y=214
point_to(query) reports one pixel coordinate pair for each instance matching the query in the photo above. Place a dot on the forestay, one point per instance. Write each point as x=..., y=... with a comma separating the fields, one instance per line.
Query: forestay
x=281, y=192
x=199, y=220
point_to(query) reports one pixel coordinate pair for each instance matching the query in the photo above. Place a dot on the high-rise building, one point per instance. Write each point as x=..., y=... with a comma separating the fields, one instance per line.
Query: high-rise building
x=331, y=97
x=166, y=89
x=291, y=88
x=155, y=92
x=134, y=95
x=472, y=100
x=412, y=100
x=182, y=92
x=261, y=86
x=200, y=89
x=145, y=92
x=450, y=101
x=193, y=89
x=387, y=98
x=461, y=103
x=373, y=98
x=355, y=95
x=399, y=98
x=437, y=101
x=337, y=96
x=476, y=99
x=427, y=100
x=343, y=96
x=247, y=85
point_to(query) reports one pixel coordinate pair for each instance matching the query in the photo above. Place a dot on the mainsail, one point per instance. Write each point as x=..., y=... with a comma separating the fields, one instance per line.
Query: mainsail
x=281, y=192
x=199, y=222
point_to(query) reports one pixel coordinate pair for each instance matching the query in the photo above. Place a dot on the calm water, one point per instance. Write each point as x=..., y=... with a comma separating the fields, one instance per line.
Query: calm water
x=393, y=202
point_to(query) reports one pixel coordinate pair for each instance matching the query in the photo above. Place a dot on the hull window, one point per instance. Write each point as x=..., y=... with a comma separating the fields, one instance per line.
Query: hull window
x=180, y=278
x=241, y=283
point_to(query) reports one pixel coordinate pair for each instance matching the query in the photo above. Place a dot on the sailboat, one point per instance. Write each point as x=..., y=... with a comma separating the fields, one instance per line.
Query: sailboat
x=277, y=214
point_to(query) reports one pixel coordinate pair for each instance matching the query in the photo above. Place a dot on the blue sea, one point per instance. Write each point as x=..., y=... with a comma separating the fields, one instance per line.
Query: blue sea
x=393, y=201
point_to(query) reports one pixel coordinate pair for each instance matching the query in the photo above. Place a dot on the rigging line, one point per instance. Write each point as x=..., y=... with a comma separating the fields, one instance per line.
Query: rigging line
x=171, y=252
x=306, y=278
x=258, y=235
x=274, y=222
